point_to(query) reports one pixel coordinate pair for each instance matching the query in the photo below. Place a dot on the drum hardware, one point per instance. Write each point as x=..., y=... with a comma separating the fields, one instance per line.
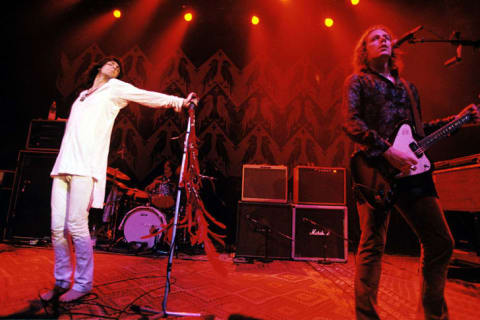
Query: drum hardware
x=110, y=215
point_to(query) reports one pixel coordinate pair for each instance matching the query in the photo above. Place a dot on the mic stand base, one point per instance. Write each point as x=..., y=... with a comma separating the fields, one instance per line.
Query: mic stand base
x=163, y=314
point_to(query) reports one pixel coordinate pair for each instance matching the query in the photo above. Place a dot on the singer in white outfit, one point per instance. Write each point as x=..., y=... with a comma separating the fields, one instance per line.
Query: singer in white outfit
x=79, y=173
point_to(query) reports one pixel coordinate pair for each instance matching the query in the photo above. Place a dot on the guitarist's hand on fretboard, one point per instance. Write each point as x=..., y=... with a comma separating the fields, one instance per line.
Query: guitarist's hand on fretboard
x=400, y=160
x=473, y=110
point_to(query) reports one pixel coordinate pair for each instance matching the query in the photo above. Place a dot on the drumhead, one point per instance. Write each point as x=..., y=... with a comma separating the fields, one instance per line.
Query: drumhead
x=142, y=221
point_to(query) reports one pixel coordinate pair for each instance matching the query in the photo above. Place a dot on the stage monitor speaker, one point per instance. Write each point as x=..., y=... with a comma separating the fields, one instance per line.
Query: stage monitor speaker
x=29, y=209
x=319, y=185
x=320, y=233
x=264, y=183
x=264, y=230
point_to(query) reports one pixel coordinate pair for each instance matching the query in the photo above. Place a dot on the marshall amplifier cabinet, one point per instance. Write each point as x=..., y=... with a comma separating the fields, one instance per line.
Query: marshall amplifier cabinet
x=264, y=230
x=45, y=135
x=320, y=233
x=319, y=185
x=264, y=183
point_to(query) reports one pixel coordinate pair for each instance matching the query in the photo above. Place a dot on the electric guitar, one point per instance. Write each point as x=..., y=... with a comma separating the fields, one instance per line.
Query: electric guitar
x=375, y=178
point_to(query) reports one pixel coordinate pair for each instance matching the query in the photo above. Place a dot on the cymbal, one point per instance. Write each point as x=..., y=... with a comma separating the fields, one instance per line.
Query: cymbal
x=117, y=174
x=137, y=193
x=118, y=183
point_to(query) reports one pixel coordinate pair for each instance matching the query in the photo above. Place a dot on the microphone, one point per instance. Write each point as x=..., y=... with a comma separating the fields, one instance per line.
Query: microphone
x=452, y=61
x=456, y=59
x=406, y=37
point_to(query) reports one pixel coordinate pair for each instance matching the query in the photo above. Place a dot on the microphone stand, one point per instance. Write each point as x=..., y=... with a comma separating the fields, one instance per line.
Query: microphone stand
x=266, y=230
x=326, y=231
x=455, y=41
x=165, y=313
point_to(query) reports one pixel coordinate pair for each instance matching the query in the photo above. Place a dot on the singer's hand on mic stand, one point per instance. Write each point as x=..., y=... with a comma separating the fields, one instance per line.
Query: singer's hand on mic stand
x=191, y=98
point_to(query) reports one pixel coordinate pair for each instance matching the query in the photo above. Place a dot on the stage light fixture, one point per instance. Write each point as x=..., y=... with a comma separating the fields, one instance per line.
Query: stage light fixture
x=355, y=2
x=117, y=13
x=328, y=22
x=188, y=16
x=255, y=20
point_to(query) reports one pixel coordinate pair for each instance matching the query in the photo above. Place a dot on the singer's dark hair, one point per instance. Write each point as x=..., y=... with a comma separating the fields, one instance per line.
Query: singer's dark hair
x=93, y=71
x=360, y=57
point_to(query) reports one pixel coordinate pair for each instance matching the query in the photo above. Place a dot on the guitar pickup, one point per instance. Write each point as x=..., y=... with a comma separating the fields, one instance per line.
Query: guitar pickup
x=414, y=147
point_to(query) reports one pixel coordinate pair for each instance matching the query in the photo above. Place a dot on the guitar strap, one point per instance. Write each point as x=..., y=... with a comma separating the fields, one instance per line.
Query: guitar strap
x=415, y=112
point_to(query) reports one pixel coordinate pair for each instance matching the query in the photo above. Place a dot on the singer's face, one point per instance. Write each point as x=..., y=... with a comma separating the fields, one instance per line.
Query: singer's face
x=111, y=69
x=378, y=44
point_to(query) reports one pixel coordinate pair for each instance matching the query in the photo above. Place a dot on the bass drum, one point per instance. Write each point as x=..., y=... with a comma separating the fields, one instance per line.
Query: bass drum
x=142, y=221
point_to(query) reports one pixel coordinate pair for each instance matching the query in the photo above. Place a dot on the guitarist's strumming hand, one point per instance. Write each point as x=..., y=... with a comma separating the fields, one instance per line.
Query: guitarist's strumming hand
x=400, y=160
x=474, y=112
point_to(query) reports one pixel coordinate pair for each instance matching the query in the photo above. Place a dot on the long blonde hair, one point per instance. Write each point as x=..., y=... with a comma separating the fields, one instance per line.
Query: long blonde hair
x=360, y=56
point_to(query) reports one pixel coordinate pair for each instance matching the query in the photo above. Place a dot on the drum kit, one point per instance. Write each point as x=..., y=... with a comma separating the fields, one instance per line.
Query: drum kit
x=131, y=214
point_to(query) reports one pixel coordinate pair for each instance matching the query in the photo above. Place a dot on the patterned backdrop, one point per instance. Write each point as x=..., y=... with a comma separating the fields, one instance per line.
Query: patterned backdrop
x=262, y=114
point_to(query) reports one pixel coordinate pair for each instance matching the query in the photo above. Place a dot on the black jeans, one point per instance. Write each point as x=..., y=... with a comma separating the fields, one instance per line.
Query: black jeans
x=426, y=218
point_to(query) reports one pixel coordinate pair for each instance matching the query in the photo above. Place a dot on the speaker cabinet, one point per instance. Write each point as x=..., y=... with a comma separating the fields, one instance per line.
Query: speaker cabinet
x=319, y=185
x=29, y=209
x=264, y=183
x=320, y=233
x=264, y=230
x=6, y=186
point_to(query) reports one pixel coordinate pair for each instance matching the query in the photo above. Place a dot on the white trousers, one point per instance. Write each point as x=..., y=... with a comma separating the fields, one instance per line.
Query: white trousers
x=71, y=201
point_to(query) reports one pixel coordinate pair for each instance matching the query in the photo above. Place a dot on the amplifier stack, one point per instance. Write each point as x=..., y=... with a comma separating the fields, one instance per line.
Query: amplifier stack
x=311, y=226
x=29, y=206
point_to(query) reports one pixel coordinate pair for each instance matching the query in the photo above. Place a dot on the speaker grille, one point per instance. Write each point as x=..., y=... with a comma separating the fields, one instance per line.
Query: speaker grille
x=319, y=185
x=264, y=230
x=320, y=232
x=264, y=183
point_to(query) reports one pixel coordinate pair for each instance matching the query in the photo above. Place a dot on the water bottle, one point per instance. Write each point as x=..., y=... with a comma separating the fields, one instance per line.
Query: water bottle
x=52, y=112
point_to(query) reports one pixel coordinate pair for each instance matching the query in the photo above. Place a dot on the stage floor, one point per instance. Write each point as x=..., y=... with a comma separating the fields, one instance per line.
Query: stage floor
x=276, y=290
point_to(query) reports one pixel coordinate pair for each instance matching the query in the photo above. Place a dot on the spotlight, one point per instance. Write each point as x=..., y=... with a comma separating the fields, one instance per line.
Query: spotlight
x=328, y=22
x=117, y=13
x=355, y=2
x=255, y=20
x=188, y=16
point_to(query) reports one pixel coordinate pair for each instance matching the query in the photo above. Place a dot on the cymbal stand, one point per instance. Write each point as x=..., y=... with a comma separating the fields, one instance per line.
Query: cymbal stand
x=165, y=313
x=111, y=218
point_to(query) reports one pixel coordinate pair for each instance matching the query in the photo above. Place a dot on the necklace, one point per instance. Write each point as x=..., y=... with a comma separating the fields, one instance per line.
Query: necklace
x=84, y=96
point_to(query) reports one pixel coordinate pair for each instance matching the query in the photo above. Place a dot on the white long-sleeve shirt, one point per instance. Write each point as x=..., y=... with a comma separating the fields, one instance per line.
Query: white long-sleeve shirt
x=85, y=145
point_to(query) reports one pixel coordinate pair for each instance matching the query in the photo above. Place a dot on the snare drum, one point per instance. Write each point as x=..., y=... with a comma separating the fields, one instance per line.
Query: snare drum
x=142, y=221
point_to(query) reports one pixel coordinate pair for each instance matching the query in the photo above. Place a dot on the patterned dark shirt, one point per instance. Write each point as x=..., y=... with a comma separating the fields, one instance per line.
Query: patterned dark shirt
x=375, y=106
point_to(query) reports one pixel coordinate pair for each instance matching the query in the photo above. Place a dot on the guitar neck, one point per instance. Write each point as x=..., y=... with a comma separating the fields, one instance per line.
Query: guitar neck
x=443, y=132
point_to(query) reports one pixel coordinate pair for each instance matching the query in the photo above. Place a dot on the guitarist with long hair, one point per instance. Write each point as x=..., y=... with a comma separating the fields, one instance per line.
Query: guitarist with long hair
x=376, y=100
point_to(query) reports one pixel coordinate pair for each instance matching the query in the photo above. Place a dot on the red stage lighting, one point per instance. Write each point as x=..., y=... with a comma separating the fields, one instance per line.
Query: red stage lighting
x=255, y=20
x=355, y=2
x=188, y=16
x=117, y=13
x=328, y=22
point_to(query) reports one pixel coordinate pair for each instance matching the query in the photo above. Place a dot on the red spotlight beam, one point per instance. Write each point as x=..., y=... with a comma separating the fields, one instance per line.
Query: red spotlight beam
x=89, y=33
